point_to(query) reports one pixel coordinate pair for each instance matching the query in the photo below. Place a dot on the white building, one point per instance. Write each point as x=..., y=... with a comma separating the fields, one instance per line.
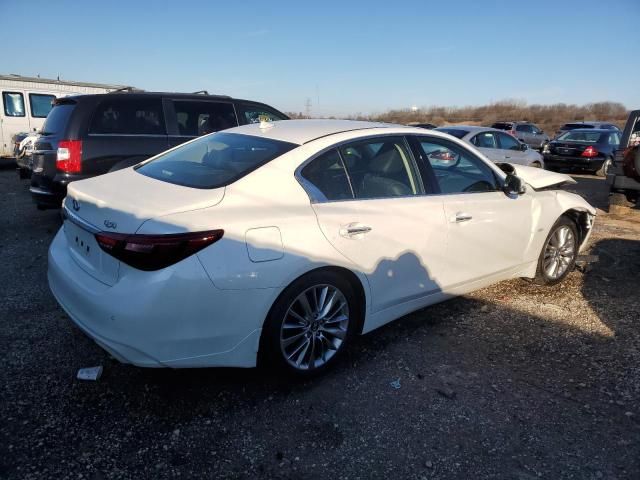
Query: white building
x=26, y=101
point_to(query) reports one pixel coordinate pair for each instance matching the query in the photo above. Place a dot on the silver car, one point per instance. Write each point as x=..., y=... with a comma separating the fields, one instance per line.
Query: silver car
x=497, y=145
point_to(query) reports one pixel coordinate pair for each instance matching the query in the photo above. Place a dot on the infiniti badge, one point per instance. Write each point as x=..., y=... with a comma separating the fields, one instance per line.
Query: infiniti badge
x=110, y=224
x=75, y=205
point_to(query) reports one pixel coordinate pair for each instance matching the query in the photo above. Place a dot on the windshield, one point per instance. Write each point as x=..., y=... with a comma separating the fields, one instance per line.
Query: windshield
x=573, y=126
x=214, y=161
x=456, y=132
x=57, y=119
x=582, y=137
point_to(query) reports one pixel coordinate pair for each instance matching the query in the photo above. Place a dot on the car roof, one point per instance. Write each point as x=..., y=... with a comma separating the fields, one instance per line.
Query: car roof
x=598, y=130
x=139, y=94
x=305, y=131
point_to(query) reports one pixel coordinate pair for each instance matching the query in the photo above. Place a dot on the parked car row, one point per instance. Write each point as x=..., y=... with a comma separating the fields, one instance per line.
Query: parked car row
x=89, y=135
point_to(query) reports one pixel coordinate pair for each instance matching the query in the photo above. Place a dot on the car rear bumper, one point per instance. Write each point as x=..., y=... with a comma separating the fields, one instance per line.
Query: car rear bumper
x=560, y=162
x=173, y=317
x=49, y=192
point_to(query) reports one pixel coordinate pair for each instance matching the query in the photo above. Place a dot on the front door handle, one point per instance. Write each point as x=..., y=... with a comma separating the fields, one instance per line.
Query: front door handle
x=353, y=229
x=461, y=217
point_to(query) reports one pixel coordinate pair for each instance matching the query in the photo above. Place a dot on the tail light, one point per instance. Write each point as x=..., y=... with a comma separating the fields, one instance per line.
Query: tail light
x=154, y=252
x=590, y=152
x=69, y=157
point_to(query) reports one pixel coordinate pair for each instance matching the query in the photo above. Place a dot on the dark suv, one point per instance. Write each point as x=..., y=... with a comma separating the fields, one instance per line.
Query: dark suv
x=88, y=135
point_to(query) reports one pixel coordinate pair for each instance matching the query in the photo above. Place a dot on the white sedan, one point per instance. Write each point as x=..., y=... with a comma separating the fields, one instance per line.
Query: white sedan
x=281, y=241
x=496, y=144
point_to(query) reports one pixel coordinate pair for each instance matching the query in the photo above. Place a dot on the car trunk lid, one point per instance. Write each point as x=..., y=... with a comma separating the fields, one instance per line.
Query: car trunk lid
x=120, y=202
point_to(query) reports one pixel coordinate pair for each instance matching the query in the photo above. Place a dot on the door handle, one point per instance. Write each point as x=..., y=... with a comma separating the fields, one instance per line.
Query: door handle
x=353, y=229
x=461, y=217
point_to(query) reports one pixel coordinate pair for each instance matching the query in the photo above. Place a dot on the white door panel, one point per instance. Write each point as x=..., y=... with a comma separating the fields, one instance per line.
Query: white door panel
x=398, y=243
x=487, y=233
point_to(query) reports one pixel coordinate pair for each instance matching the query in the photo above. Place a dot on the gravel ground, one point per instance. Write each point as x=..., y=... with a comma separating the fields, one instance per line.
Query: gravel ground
x=513, y=381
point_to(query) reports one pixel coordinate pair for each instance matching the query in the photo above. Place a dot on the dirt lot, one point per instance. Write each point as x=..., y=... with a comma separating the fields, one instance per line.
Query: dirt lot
x=514, y=381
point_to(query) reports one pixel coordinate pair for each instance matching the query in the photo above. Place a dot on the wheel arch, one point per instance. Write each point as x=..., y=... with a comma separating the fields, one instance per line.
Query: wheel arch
x=582, y=220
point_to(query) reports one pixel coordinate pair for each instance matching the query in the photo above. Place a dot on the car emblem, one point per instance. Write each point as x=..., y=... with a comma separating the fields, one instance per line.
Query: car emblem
x=75, y=205
x=110, y=224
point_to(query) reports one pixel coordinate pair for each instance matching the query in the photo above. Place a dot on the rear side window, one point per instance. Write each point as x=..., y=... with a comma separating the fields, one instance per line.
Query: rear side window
x=381, y=168
x=327, y=175
x=214, y=161
x=13, y=104
x=254, y=113
x=524, y=128
x=57, y=119
x=40, y=104
x=485, y=140
x=129, y=117
x=196, y=118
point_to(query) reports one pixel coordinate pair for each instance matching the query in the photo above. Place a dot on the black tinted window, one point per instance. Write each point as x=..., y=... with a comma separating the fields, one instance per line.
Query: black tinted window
x=40, y=104
x=456, y=170
x=57, y=119
x=254, y=113
x=456, y=132
x=502, y=126
x=199, y=118
x=129, y=116
x=573, y=126
x=524, y=128
x=13, y=104
x=507, y=142
x=381, y=168
x=485, y=140
x=327, y=174
x=214, y=161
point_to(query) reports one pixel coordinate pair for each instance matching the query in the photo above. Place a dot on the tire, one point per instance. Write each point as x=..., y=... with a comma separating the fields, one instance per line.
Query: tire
x=552, y=255
x=307, y=346
x=602, y=171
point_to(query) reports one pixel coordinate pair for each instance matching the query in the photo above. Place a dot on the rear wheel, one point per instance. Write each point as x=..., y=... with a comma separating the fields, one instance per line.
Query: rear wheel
x=559, y=253
x=311, y=324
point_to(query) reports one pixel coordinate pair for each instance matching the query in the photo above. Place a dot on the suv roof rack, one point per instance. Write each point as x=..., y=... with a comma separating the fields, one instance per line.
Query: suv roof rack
x=203, y=92
x=126, y=89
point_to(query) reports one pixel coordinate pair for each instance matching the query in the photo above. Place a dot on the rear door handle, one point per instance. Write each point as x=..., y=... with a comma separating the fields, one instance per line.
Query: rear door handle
x=461, y=217
x=353, y=229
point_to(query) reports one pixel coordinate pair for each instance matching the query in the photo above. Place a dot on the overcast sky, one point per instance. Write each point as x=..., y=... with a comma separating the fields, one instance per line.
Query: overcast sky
x=346, y=57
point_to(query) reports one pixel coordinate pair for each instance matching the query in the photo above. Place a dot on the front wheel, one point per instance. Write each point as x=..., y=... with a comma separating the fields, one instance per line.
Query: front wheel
x=558, y=256
x=310, y=324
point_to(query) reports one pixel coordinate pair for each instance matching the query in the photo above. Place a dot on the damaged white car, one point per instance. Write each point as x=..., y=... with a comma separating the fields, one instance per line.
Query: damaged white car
x=279, y=242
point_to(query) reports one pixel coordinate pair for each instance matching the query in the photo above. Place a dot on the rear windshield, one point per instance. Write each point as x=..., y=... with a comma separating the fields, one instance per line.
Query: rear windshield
x=57, y=119
x=582, y=137
x=456, y=132
x=502, y=126
x=215, y=160
x=573, y=126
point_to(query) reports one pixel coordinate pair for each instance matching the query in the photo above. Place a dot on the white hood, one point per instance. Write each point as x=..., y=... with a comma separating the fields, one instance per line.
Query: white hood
x=539, y=178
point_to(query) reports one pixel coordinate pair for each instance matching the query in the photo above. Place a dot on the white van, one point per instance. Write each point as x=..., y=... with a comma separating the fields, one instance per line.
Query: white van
x=25, y=103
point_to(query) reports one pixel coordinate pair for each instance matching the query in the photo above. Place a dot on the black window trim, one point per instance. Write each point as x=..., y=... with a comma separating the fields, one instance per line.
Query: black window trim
x=31, y=94
x=318, y=197
x=499, y=180
x=4, y=104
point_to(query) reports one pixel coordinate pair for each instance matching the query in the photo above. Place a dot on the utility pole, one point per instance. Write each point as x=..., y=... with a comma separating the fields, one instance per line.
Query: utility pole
x=307, y=108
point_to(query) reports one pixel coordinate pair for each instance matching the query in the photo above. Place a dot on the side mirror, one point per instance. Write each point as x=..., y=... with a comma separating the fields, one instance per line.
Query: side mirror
x=513, y=185
x=524, y=146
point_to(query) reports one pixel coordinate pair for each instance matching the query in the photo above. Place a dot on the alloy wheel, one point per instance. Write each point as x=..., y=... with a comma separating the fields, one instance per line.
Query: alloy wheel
x=314, y=327
x=559, y=252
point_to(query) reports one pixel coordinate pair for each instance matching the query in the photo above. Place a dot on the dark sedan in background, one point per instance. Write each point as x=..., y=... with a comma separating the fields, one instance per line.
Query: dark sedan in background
x=590, y=149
